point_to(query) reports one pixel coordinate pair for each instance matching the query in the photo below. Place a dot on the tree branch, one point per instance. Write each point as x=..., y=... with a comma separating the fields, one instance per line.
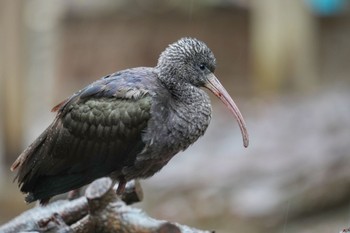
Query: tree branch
x=100, y=210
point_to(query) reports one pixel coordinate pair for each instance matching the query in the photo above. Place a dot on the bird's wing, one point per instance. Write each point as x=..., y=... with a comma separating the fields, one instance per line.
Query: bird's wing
x=98, y=130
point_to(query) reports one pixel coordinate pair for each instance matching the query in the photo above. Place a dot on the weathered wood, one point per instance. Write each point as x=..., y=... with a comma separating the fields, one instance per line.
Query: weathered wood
x=100, y=210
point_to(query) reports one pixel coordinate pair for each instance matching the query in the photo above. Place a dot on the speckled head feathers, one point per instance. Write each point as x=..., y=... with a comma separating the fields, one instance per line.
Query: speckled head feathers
x=186, y=49
x=184, y=57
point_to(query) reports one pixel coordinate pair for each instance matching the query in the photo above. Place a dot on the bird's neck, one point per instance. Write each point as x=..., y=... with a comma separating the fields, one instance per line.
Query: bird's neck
x=176, y=85
x=186, y=116
x=183, y=95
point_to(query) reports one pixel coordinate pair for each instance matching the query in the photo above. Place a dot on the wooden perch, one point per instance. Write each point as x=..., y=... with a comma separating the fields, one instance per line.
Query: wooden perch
x=100, y=210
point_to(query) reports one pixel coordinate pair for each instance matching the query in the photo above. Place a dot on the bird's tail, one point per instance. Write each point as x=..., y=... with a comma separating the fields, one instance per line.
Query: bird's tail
x=26, y=156
x=26, y=165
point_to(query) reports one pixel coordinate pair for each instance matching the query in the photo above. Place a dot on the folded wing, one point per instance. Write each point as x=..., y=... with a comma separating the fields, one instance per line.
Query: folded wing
x=97, y=131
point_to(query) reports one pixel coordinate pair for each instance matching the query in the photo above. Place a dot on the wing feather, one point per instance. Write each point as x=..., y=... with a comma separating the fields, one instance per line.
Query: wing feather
x=97, y=131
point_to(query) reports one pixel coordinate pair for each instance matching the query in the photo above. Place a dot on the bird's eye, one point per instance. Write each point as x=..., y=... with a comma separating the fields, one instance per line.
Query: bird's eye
x=202, y=66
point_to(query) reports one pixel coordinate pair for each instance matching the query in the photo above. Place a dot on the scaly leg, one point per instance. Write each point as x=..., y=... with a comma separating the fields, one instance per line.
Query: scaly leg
x=121, y=186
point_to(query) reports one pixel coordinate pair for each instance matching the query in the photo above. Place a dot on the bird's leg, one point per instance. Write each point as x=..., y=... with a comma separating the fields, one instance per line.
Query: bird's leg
x=121, y=185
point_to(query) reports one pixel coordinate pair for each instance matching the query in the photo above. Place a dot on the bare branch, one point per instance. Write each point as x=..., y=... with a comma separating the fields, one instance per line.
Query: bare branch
x=100, y=210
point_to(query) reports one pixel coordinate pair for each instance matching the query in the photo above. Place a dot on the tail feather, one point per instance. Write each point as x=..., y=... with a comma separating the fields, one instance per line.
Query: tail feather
x=48, y=186
x=27, y=153
x=27, y=163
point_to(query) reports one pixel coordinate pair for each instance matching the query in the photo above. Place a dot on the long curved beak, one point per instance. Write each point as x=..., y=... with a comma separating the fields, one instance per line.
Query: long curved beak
x=215, y=86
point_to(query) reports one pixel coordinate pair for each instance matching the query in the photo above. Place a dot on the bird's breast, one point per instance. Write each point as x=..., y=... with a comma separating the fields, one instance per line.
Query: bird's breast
x=175, y=125
x=187, y=125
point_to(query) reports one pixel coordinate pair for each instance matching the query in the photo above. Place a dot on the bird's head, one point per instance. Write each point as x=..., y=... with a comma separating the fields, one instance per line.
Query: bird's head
x=187, y=60
x=190, y=61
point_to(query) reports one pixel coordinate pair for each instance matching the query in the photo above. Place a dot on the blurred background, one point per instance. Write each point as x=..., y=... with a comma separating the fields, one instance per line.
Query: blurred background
x=285, y=63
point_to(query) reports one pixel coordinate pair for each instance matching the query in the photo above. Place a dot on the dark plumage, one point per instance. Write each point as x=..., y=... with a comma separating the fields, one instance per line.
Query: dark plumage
x=126, y=125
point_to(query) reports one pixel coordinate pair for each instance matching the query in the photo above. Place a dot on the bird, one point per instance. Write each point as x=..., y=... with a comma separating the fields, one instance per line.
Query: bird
x=126, y=125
